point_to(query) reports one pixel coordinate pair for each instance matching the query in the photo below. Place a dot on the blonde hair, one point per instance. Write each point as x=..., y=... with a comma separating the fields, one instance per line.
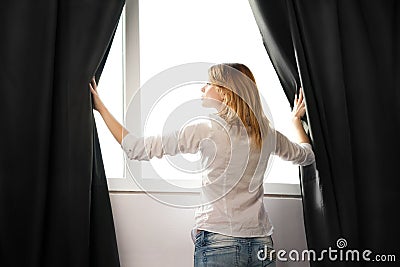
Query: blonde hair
x=237, y=87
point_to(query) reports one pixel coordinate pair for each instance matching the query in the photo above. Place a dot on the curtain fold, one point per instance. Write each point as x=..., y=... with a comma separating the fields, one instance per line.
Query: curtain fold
x=346, y=54
x=54, y=203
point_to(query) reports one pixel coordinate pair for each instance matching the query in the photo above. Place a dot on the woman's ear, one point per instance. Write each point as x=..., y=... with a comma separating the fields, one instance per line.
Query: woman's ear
x=223, y=95
x=226, y=96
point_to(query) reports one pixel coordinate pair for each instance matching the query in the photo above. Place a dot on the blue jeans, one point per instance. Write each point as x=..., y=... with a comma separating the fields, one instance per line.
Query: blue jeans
x=216, y=250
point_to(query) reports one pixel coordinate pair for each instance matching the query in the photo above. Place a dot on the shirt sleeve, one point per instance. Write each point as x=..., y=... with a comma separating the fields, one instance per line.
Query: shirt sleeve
x=300, y=154
x=185, y=141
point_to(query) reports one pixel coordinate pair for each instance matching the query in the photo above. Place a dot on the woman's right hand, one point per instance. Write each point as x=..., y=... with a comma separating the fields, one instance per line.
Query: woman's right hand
x=97, y=103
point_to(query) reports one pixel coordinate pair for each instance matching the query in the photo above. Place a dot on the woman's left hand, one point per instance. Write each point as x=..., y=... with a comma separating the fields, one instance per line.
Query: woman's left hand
x=299, y=107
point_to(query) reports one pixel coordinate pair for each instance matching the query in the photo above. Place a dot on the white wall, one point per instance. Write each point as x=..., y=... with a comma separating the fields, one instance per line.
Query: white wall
x=150, y=233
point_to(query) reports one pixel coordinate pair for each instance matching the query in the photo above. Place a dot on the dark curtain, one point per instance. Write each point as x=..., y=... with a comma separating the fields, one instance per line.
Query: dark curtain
x=54, y=204
x=346, y=55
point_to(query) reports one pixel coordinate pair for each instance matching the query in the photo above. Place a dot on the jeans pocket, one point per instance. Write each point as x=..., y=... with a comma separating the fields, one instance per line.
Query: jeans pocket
x=217, y=255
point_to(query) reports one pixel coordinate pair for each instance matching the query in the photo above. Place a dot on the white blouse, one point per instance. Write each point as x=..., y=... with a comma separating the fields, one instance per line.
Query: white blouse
x=232, y=181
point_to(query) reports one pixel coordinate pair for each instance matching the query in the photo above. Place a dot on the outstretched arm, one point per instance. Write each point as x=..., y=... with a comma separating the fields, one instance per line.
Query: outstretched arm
x=117, y=130
x=140, y=148
x=301, y=152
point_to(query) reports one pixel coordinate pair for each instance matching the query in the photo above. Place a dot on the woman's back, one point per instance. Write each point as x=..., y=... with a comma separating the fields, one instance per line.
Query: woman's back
x=233, y=175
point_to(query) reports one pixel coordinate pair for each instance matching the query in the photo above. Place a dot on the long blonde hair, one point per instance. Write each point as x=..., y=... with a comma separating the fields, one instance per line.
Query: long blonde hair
x=237, y=87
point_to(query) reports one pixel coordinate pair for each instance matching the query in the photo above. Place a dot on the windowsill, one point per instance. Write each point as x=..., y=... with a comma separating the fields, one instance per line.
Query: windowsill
x=126, y=185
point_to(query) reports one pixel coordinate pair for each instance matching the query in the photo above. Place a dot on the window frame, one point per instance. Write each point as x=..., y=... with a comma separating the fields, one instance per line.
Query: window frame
x=131, y=52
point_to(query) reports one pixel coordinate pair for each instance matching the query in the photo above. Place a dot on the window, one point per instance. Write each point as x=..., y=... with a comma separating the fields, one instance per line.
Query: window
x=163, y=34
x=111, y=88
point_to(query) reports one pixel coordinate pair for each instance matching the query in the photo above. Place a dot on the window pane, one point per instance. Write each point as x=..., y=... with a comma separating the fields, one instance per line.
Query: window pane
x=111, y=92
x=175, y=32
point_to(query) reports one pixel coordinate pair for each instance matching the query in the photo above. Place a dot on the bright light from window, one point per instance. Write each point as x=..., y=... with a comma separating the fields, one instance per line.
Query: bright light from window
x=176, y=32
x=111, y=92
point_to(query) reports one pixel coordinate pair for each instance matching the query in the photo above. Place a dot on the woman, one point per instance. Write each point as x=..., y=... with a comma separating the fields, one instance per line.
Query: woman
x=232, y=227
